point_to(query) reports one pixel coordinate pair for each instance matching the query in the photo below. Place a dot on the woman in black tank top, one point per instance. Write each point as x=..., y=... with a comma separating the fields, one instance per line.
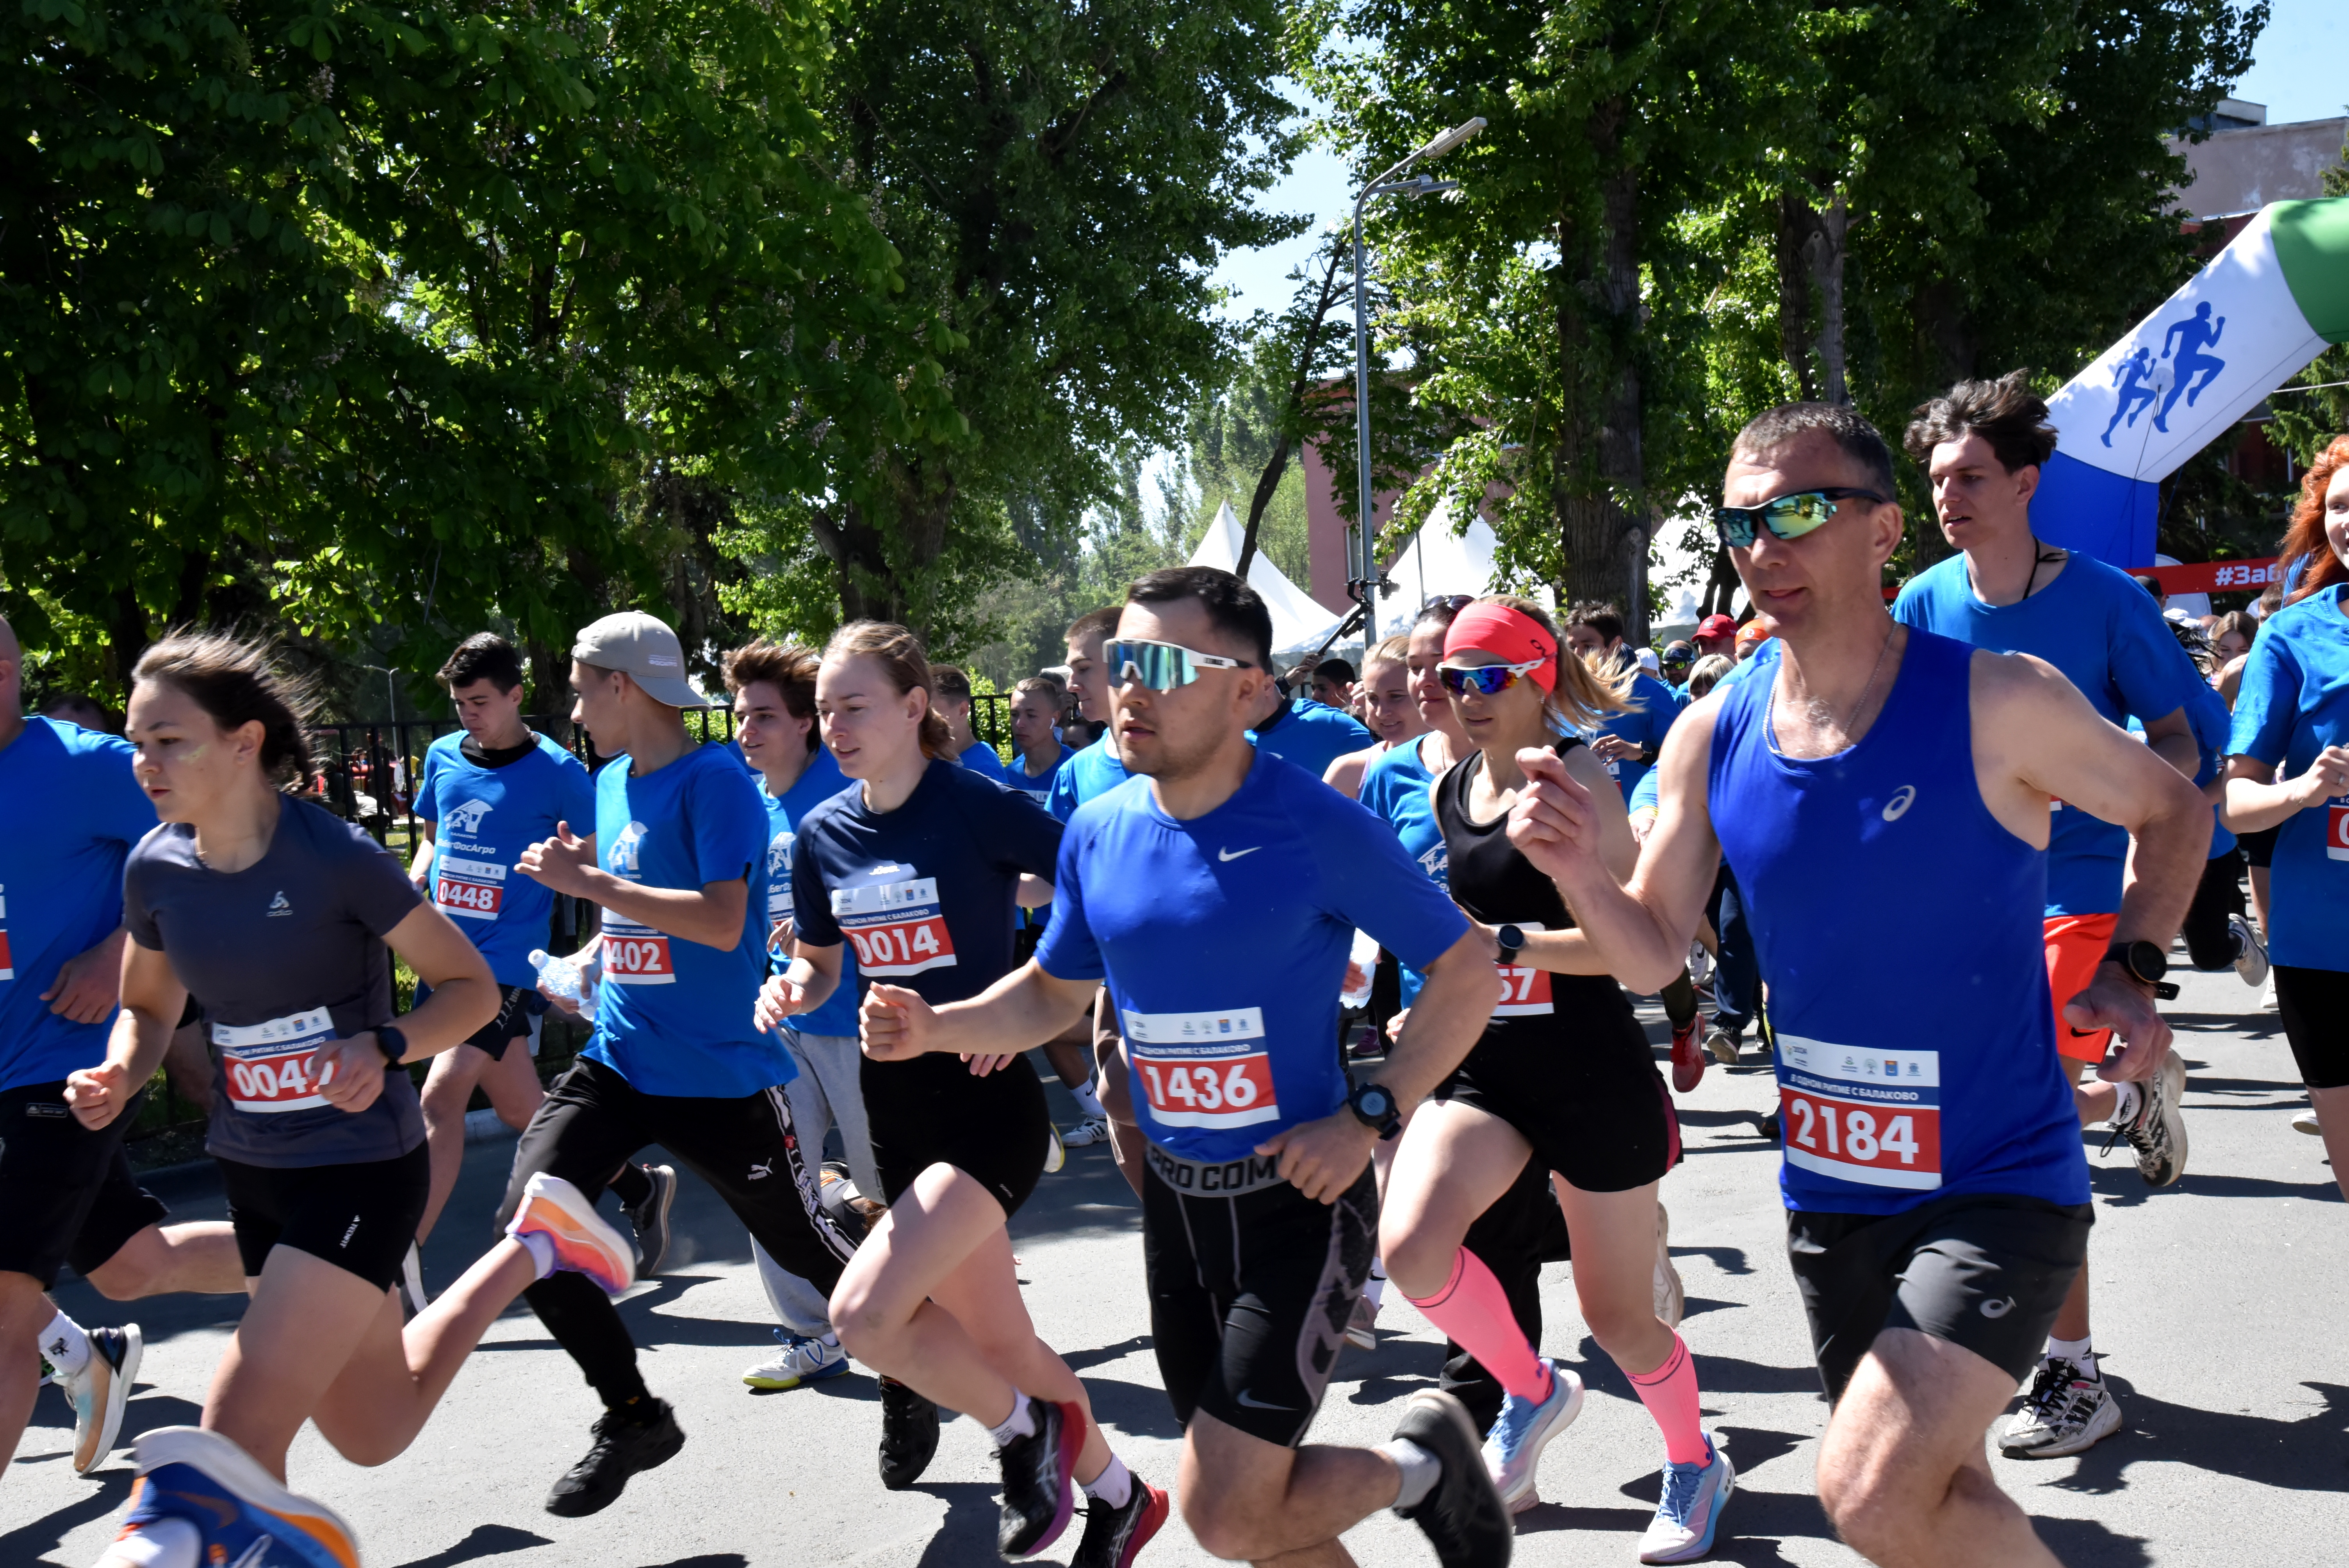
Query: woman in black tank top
x=1564, y=1072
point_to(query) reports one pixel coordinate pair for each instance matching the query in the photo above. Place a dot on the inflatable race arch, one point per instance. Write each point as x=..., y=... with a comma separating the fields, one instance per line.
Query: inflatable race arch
x=2263, y=308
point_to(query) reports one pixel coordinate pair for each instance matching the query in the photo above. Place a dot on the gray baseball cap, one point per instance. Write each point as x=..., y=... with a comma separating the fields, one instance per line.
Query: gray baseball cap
x=643, y=648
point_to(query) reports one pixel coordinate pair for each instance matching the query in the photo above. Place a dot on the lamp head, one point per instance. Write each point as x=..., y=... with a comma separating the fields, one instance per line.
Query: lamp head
x=1453, y=138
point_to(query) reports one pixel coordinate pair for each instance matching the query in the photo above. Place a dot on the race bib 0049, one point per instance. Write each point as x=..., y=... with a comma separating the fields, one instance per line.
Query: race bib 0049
x=898, y=927
x=1870, y=1116
x=274, y=1067
x=634, y=954
x=1524, y=990
x=1203, y=1069
x=468, y=890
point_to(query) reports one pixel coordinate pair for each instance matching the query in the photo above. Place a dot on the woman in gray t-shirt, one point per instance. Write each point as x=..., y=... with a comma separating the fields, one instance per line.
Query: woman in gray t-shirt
x=277, y=917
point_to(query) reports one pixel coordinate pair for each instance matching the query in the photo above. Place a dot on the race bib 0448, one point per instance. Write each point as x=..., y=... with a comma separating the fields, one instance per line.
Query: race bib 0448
x=274, y=1067
x=636, y=954
x=468, y=890
x=1203, y=1069
x=898, y=927
x=1524, y=990
x=1873, y=1117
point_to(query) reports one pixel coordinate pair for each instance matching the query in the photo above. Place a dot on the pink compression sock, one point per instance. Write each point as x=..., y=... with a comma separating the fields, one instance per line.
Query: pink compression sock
x=1473, y=1310
x=1669, y=1394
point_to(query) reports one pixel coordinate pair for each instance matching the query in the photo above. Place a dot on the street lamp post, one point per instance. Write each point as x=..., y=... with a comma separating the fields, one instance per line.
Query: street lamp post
x=1365, y=562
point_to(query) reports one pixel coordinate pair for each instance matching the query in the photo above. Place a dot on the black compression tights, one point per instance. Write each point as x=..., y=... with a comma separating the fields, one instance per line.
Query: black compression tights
x=631, y=1186
x=583, y=1321
x=1679, y=1001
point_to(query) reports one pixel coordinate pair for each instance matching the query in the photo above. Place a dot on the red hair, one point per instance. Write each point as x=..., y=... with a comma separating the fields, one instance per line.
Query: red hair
x=2306, y=534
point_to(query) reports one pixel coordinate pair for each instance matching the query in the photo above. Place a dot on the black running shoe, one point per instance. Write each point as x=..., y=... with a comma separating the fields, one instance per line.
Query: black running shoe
x=1461, y=1515
x=650, y=1219
x=909, y=1435
x=621, y=1448
x=1115, y=1535
x=1039, y=1483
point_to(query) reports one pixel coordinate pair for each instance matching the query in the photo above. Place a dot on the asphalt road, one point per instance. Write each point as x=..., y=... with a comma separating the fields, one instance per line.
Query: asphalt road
x=2213, y=1302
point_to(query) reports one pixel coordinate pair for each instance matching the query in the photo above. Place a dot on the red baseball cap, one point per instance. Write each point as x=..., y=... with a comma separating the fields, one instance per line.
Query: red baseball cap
x=1714, y=626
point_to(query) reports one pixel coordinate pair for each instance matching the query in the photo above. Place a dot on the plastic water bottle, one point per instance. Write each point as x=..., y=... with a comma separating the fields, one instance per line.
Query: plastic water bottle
x=1365, y=956
x=565, y=978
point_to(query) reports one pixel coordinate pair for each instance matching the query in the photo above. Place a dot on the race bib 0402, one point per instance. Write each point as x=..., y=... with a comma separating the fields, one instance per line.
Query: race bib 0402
x=274, y=1067
x=636, y=954
x=1873, y=1117
x=1524, y=990
x=468, y=890
x=1203, y=1069
x=897, y=927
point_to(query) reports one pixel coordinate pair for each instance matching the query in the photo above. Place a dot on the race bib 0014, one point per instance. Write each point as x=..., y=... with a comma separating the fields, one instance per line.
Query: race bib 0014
x=1203, y=1069
x=1870, y=1116
x=1524, y=990
x=898, y=928
x=468, y=890
x=636, y=954
x=274, y=1067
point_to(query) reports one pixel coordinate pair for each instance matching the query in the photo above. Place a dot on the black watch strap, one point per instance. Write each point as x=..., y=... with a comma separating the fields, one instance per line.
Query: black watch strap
x=392, y=1043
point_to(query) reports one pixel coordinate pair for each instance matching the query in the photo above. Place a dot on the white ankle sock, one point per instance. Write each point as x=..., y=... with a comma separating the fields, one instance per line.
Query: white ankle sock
x=541, y=1248
x=1114, y=1486
x=1420, y=1471
x=1374, y=1289
x=64, y=1346
x=1021, y=1423
x=1088, y=1101
x=2127, y=1098
x=2080, y=1353
x=163, y=1543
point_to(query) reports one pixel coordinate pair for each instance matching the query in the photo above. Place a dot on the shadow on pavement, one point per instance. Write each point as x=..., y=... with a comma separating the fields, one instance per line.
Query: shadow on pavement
x=2122, y=1187
x=967, y=1534
x=2302, y=1455
x=108, y=1490
x=486, y=1540
x=2091, y=1543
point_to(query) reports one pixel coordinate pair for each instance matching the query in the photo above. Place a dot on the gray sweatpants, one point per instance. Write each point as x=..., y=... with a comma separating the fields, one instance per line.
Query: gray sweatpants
x=825, y=1095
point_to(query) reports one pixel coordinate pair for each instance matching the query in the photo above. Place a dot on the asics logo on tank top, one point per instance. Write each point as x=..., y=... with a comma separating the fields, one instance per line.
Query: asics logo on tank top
x=893, y=917
x=1902, y=799
x=466, y=820
x=279, y=906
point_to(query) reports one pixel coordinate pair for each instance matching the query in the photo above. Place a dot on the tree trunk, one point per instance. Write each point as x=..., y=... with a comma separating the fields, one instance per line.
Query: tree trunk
x=1596, y=524
x=922, y=495
x=1292, y=416
x=1796, y=224
x=1828, y=250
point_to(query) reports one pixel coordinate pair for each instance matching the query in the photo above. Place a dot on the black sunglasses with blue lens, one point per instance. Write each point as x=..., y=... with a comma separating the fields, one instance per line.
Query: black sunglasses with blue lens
x=1786, y=516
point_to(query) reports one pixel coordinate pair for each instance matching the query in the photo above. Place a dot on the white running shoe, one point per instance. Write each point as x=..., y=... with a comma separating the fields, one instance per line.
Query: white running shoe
x=1056, y=1154
x=1723, y=1045
x=800, y=1359
x=2252, y=960
x=1671, y=1297
x=2305, y=1121
x=1092, y=1130
x=1689, y=1513
x=98, y=1390
x=1513, y=1449
x=2067, y=1412
x=2156, y=1133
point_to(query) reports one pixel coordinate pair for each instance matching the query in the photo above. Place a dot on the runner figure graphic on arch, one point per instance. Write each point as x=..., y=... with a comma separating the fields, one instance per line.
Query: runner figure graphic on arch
x=2196, y=369
x=2131, y=376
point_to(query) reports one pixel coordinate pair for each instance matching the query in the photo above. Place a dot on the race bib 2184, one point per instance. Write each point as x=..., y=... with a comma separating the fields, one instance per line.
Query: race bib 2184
x=1873, y=1117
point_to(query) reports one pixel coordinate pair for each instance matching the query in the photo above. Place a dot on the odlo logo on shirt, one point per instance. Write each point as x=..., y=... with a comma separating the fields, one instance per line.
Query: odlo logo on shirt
x=279, y=906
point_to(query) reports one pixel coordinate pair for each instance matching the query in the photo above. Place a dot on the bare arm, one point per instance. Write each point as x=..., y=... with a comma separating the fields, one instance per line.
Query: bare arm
x=2171, y=738
x=152, y=1001
x=808, y=984
x=420, y=870
x=89, y=983
x=1034, y=891
x=1024, y=1008
x=713, y=915
x=1570, y=952
x=2258, y=798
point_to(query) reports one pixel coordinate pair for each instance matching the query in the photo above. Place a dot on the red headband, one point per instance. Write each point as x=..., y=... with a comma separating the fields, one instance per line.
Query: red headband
x=1508, y=634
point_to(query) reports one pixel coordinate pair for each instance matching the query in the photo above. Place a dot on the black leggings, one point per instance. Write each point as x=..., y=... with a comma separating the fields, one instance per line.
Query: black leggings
x=2219, y=895
x=594, y=1120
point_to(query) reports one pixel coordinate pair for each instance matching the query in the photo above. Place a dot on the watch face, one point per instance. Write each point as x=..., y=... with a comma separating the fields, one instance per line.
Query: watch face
x=1375, y=1101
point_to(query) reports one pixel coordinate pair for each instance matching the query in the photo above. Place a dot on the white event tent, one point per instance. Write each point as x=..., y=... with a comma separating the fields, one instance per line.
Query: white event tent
x=1436, y=562
x=1299, y=621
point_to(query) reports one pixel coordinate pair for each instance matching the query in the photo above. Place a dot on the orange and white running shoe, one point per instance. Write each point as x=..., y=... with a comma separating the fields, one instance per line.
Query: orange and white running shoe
x=583, y=1244
x=241, y=1512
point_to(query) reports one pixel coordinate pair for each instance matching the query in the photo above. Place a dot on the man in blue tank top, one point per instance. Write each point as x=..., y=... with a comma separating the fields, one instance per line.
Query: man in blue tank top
x=1218, y=896
x=1937, y=1194
x=1982, y=444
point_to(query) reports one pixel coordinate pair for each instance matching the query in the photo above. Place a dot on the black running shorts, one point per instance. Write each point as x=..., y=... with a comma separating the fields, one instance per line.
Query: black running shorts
x=512, y=1024
x=1251, y=1283
x=2260, y=848
x=359, y=1217
x=1604, y=1122
x=67, y=1195
x=1984, y=1271
x=930, y=1110
x=2315, y=1007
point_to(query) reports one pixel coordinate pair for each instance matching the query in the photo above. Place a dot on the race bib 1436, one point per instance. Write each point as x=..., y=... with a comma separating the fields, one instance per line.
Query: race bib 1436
x=1873, y=1117
x=1203, y=1069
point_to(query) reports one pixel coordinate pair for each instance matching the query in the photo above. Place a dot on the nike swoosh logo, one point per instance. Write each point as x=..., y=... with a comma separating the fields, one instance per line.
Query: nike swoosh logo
x=1233, y=855
x=1243, y=1394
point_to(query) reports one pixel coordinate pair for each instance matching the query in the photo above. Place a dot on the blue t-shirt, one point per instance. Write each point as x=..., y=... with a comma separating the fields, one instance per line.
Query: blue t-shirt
x=1224, y=941
x=79, y=809
x=1036, y=787
x=1645, y=725
x=819, y=782
x=1096, y=770
x=483, y=819
x=675, y=1016
x=924, y=893
x=2293, y=703
x=1395, y=790
x=1312, y=735
x=2095, y=623
x=981, y=758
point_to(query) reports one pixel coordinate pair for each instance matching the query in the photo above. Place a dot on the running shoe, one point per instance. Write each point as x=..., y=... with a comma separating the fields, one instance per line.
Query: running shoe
x=242, y=1514
x=2305, y=1121
x=1461, y=1515
x=1671, y=1297
x=1700, y=966
x=1690, y=1510
x=1366, y=1046
x=2250, y=953
x=411, y=1280
x=623, y=1447
x=1039, y=1483
x=98, y=1390
x=1688, y=1058
x=1362, y=1329
x=2067, y=1412
x=803, y=1358
x=1513, y=1449
x=1092, y=1130
x=583, y=1244
x=649, y=1220
x=1056, y=1154
x=2157, y=1132
x=1115, y=1535
x=1723, y=1045
x=909, y=1434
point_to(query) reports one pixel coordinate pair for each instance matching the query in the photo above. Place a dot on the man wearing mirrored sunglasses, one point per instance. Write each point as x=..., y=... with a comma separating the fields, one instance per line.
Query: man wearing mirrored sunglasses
x=1218, y=895
x=1882, y=795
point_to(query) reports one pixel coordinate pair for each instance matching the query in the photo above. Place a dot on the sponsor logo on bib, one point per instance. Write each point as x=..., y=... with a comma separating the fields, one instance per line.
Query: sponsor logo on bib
x=1203, y=1069
x=897, y=924
x=1873, y=1117
x=274, y=1067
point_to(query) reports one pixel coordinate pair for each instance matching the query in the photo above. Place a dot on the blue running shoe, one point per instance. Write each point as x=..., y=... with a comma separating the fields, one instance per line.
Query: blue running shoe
x=1690, y=1512
x=1513, y=1448
x=802, y=1359
x=244, y=1514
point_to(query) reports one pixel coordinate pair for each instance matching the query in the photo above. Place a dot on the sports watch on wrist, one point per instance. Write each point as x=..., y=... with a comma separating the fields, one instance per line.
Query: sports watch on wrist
x=1512, y=941
x=391, y=1042
x=1374, y=1108
x=2145, y=963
